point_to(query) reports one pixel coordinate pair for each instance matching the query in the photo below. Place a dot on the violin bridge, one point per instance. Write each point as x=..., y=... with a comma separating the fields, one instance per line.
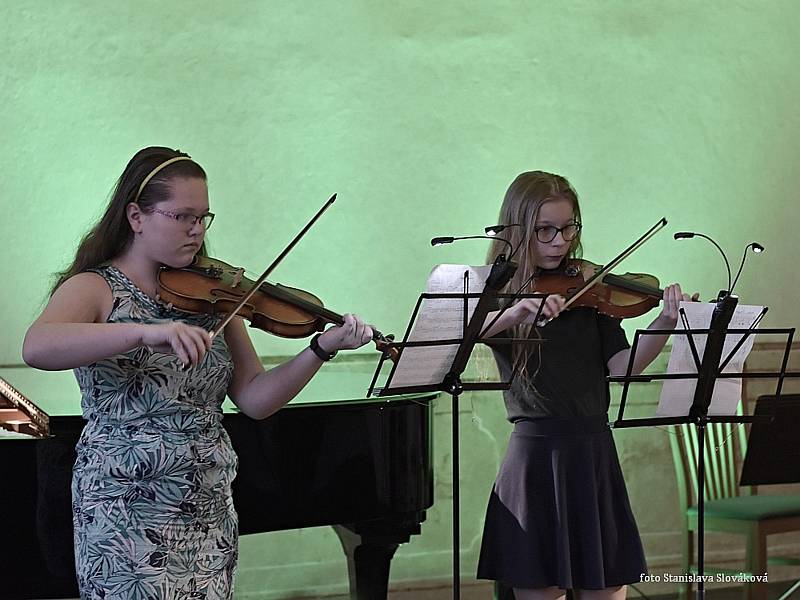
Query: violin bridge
x=237, y=277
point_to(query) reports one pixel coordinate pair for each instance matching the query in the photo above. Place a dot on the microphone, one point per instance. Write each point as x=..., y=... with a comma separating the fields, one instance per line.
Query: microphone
x=502, y=269
x=495, y=229
x=438, y=241
x=682, y=235
x=757, y=249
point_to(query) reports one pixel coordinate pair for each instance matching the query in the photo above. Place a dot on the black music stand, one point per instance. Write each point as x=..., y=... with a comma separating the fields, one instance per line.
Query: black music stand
x=773, y=448
x=709, y=369
x=473, y=333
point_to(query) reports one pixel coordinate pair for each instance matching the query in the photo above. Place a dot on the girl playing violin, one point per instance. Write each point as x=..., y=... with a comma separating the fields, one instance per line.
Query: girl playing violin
x=558, y=516
x=152, y=508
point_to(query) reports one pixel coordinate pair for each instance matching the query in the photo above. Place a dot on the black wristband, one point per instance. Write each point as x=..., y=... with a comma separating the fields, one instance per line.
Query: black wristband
x=317, y=349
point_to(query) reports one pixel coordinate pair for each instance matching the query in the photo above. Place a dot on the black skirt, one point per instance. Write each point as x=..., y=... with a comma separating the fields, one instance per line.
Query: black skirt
x=559, y=513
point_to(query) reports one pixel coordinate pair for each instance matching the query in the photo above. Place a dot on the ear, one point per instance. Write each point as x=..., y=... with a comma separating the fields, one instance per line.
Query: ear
x=134, y=213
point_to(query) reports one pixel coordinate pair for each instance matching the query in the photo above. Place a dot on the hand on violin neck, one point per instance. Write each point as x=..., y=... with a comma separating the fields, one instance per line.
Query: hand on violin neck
x=673, y=296
x=351, y=334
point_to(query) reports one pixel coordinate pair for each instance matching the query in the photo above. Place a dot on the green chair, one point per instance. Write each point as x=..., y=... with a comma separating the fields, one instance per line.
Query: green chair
x=729, y=508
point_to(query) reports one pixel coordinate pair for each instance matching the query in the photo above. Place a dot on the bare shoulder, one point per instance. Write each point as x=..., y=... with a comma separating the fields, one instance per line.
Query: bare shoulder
x=83, y=298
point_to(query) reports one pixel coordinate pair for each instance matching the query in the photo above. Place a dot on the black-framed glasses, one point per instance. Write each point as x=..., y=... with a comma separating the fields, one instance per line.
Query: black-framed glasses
x=188, y=219
x=547, y=233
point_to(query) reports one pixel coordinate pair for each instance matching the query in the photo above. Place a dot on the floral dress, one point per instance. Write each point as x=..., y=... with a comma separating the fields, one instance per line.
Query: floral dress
x=151, y=488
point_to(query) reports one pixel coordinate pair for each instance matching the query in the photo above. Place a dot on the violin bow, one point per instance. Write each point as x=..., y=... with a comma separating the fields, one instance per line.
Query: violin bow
x=271, y=268
x=598, y=277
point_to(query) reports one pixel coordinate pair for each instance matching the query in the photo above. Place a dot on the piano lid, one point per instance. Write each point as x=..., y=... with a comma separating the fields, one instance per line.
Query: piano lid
x=19, y=415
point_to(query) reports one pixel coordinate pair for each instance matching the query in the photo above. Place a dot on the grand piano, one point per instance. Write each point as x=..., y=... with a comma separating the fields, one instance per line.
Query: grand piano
x=363, y=466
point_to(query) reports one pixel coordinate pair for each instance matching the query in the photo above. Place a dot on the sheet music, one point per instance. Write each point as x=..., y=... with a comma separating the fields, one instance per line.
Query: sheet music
x=438, y=319
x=677, y=394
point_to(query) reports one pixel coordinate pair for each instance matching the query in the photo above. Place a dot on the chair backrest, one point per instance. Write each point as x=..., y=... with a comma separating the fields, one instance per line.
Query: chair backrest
x=725, y=447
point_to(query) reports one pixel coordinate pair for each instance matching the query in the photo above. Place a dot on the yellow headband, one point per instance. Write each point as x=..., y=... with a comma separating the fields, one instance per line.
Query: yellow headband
x=155, y=171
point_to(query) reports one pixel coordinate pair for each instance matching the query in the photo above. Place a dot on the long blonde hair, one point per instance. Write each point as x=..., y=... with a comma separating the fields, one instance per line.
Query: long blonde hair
x=523, y=199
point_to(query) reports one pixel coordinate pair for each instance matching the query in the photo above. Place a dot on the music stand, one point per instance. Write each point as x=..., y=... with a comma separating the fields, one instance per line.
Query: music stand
x=709, y=369
x=773, y=448
x=473, y=332
x=774, y=437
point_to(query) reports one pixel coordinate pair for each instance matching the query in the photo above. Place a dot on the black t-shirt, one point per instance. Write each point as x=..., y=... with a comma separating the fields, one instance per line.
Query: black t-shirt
x=570, y=381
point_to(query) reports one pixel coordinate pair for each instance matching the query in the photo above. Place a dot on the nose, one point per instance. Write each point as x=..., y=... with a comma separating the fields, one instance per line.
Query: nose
x=197, y=228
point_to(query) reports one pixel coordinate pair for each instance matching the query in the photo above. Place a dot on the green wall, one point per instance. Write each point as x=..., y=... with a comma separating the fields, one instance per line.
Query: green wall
x=418, y=114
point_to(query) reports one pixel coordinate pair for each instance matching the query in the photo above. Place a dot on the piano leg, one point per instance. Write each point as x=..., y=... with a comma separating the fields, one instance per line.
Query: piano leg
x=369, y=548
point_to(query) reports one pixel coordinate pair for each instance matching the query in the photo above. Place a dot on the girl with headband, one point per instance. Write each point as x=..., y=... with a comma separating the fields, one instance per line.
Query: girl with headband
x=152, y=508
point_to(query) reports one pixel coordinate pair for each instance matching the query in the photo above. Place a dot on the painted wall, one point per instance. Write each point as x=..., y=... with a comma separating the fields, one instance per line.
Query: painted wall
x=418, y=114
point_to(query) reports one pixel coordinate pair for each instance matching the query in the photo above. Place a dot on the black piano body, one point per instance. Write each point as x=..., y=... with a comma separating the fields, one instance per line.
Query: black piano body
x=363, y=466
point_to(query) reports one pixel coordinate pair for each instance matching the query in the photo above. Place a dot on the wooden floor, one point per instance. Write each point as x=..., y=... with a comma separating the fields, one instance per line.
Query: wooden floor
x=483, y=591
x=479, y=591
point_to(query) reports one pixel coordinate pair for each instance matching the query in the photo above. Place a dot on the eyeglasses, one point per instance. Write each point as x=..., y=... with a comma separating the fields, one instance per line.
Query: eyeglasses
x=547, y=233
x=188, y=219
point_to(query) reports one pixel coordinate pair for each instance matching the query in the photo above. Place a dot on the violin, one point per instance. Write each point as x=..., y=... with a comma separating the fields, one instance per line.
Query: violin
x=619, y=296
x=211, y=286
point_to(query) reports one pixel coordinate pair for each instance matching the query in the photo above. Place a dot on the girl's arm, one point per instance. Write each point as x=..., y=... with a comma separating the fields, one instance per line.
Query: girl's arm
x=259, y=393
x=651, y=345
x=527, y=308
x=72, y=332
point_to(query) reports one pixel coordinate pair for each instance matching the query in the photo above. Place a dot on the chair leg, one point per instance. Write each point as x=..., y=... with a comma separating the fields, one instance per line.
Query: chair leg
x=795, y=586
x=756, y=564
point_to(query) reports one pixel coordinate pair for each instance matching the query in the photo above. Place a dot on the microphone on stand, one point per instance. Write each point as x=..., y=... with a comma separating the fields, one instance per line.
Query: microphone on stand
x=502, y=269
x=493, y=230
x=757, y=249
x=682, y=235
x=438, y=241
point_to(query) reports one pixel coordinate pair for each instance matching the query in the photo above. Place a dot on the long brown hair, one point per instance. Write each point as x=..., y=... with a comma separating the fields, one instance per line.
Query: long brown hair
x=523, y=199
x=112, y=234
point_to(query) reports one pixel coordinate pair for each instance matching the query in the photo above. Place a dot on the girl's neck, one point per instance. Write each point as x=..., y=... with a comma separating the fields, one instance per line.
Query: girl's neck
x=140, y=270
